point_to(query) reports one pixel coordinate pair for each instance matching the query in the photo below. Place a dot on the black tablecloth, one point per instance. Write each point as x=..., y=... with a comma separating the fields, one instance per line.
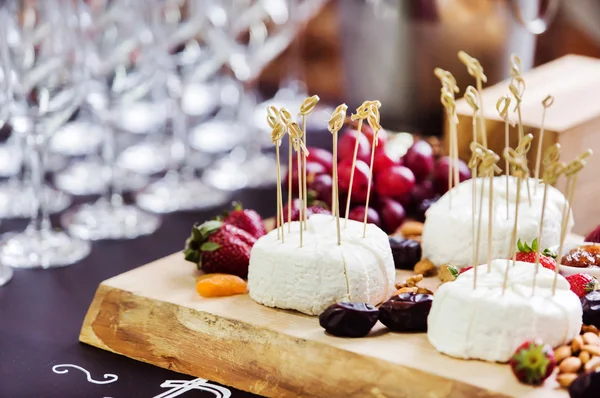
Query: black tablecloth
x=41, y=312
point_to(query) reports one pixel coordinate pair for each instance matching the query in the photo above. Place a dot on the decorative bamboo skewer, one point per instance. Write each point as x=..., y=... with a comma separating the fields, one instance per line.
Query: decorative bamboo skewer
x=517, y=88
x=373, y=120
x=362, y=112
x=572, y=172
x=552, y=170
x=305, y=109
x=449, y=87
x=476, y=156
x=296, y=133
x=502, y=106
x=488, y=168
x=476, y=70
x=277, y=134
x=546, y=103
x=287, y=117
x=518, y=163
x=335, y=125
x=472, y=98
x=519, y=169
x=522, y=149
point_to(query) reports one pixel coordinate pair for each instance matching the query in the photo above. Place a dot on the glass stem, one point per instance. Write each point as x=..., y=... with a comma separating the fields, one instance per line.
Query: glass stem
x=247, y=105
x=112, y=194
x=40, y=219
x=181, y=149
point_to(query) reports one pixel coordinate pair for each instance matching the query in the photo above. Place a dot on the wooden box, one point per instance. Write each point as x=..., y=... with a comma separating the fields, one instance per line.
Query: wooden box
x=573, y=121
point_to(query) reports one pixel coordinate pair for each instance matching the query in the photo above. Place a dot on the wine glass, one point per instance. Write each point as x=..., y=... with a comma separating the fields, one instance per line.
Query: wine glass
x=179, y=189
x=46, y=93
x=112, y=46
x=270, y=30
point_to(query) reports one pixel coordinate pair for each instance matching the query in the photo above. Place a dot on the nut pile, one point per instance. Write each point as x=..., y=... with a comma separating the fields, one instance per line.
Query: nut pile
x=581, y=356
x=410, y=286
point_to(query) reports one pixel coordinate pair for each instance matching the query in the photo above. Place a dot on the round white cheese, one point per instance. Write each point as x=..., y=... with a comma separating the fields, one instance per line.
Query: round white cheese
x=483, y=323
x=448, y=233
x=320, y=273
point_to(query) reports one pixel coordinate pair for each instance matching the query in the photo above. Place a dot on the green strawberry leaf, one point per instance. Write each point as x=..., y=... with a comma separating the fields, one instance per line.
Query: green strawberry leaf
x=520, y=245
x=191, y=255
x=534, y=245
x=549, y=253
x=237, y=206
x=591, y=285
x=453, y=271
x=199, y=263
x=209, y=246
x=209, y=227
x=196, y=234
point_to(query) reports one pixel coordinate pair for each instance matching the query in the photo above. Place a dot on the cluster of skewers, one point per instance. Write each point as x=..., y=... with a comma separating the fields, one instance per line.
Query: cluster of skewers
x=483, y=160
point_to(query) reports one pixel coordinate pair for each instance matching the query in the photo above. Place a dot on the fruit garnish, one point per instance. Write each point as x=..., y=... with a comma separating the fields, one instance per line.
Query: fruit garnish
x=594, y=236
x=392, y=214
x=590, y=303
x=358, y=214
x=406, y=312
x=533, y=362
x=406, y=252
x=582, y=284
x=349, y=319
x=247, y=219
x=419, y=159
x=315, y=207
x=440, y=174
x=585, y=385
x=347, y=143
x=220, y=285
x=527, y=254
x=217, y=247
x=360, y=182
x=395, y=182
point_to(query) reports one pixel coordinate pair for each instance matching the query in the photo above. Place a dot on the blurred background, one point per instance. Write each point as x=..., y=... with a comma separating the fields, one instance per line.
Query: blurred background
x=117, y=112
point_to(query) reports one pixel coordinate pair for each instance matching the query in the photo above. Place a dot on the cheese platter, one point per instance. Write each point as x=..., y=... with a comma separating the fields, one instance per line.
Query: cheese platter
x=346, y=296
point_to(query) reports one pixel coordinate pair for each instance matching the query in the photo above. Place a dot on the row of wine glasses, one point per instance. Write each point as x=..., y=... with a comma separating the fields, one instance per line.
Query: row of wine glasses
x=171, y=81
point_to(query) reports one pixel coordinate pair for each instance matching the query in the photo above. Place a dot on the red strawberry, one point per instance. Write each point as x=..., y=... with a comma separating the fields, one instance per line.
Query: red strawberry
x=246, y=219
x=582, y=284
x=216, y=246
x=464, y=269
x=527, y=254
x=533, y=362
x=594, y=236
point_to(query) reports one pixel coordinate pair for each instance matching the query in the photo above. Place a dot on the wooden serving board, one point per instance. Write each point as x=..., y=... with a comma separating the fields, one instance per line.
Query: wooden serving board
x=153, y=314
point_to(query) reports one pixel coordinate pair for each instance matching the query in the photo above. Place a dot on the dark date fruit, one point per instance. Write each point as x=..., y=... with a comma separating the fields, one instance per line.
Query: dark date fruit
x=591, y=308
x=406, y=252
x=406, y=312
x=349, y=319
x=586, y=386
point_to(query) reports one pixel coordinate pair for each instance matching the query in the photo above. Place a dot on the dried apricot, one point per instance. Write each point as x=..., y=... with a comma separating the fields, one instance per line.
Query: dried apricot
x=220, y=285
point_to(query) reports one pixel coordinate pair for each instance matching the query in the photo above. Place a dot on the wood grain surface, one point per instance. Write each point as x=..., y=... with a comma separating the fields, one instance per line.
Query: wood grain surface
x=153, y=314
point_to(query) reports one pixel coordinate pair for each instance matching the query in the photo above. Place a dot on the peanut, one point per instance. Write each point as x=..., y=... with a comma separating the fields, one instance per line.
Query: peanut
x=406, y=289
x=584, y=356
x=561, y=353
x=589, y=328
x=566, y=379
x=591, y=338
x=592, y=349
x=576, y=344
x=570, y=365
x=411, y=228
x=423, y=290
x=425, y=268
x=592, y=364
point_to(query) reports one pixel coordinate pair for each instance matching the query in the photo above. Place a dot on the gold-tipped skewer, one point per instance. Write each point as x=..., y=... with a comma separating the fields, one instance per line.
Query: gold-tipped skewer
x=489, y=169
x=287, y=117
x=296, y=133
x=449, y=88
x=546, y=103
x=277, y=134
x=305, y=109
x=476, y=156
x=362, y=112
x=518, y=163
x=517, y=88
x=335, y=125
x=572, y=172
x=552, y=170
x=522, y=149
x=502, y=106
x=373, y=120
x=475, y=69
